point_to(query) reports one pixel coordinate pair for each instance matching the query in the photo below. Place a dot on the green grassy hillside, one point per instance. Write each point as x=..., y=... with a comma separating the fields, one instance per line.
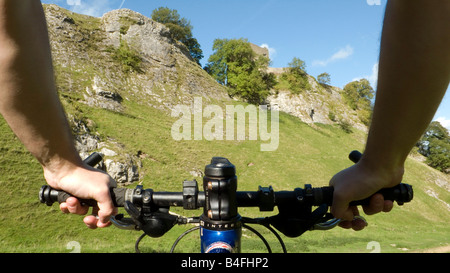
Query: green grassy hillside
x=86, y=66
x=305, y=155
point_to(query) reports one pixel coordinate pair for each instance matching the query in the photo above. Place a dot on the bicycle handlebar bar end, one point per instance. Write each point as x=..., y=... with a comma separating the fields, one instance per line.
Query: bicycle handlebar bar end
x=47, y=196
x=355, y=156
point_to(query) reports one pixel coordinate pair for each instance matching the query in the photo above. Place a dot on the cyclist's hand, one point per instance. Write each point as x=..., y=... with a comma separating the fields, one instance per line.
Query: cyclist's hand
x=87, y=183
x=356, y=183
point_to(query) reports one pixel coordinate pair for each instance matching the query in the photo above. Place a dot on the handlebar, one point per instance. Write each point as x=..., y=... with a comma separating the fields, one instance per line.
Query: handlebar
x=190, y=198
x=265, y=198
x=149, y=209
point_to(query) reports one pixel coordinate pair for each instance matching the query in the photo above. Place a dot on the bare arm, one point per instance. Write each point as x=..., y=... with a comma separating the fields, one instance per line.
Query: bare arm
x=29, y=100
x=30, y=105
x=414, y=73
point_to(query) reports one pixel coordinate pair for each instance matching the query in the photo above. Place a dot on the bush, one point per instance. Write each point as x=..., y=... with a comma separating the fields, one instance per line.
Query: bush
x=129, y=59
x=345, y=126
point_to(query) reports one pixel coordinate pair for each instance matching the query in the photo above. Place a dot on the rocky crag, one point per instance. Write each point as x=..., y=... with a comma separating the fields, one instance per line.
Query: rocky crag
x=124, y=55
x=91, y=60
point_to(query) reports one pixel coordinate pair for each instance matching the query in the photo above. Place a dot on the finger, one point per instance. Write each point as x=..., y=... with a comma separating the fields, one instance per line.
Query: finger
x=341, y=210
x=105, y=209
x=103, y=225
x=105, y=220
x=63, y=207
x=345, y=224
x=376, y=205
x=358, y=224
x=388, y=205
x=72, y=205
x=91, y=221
x=102, y=218
x=355, y=223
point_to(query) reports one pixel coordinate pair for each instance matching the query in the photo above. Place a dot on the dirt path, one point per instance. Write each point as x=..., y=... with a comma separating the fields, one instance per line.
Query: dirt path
x=441, y=249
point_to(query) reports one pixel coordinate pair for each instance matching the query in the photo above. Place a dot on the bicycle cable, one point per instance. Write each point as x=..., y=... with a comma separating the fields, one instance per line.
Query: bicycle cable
x=283, y=246
x=136, y=245
x=181, y=236
x=259, y=235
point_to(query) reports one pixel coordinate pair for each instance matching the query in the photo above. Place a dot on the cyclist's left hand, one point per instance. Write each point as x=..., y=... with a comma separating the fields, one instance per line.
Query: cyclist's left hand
x=87, y=183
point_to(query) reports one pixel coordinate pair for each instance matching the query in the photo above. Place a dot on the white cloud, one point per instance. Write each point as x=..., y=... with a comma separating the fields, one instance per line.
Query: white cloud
x=444, y=122
x=373, y=78
x=73, y=2
x=343, y=53
x=89, y=7
x=272, y=51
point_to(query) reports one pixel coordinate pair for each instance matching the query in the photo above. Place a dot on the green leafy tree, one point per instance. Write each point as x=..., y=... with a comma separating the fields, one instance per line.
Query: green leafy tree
x=180, y=30
x=324, y=78
x=296, y=76
x=358, y=95
x=297, y=66
x=435, y=146
x=236, y=65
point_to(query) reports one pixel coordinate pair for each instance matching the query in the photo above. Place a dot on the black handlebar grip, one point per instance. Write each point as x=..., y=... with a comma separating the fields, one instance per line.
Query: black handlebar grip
x=401, y=193
x=93, y=159
x=48, y=195
x=355, y=156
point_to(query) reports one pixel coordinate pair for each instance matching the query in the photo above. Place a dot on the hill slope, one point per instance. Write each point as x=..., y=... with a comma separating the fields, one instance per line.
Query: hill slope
x=126, y=108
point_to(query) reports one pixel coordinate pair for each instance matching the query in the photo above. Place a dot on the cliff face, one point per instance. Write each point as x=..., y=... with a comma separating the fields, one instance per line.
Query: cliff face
x=121, y=56
x=85, y=56
x=125, y=56
x=319, y=104
x=89, y=54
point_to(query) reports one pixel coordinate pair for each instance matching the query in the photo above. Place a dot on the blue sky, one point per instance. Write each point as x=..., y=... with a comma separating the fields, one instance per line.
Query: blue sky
x=340, y=37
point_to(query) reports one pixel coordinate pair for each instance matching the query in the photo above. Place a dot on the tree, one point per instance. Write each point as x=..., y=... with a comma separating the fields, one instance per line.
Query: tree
x=296, y=76
x=180, y=30
x=324, y=78
x=435, y=145
x=297, y=66
x=236, y=65
x=358, y=95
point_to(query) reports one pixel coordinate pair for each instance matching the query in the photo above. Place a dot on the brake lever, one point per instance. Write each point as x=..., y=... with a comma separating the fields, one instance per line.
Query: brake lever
x=333, y=223
x=124, y=223
x=133, y=223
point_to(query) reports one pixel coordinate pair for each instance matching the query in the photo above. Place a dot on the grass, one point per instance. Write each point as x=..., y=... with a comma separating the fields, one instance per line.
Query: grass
x=305, y=155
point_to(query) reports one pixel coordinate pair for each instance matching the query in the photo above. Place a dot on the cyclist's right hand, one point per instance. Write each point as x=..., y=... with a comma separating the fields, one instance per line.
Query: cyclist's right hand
x=85, y=182
x=359, y=182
